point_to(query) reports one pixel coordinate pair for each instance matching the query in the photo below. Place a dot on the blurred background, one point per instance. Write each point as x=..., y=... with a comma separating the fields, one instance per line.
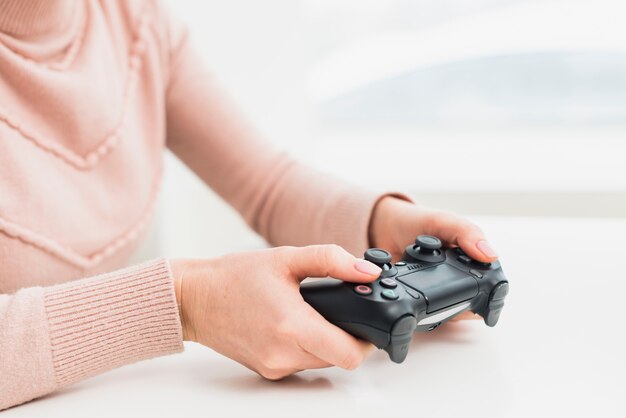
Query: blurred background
x=507, y=108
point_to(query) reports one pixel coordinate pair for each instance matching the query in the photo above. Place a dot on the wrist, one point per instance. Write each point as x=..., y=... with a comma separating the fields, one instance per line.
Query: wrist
x=380, y=221
x=178, y=274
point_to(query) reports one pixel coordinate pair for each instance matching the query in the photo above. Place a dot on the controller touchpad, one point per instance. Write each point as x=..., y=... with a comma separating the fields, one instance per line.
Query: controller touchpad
x=441, y=285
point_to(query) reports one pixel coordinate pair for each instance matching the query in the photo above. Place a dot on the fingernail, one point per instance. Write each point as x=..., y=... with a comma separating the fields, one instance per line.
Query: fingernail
x=366, y=267
x=486, y=249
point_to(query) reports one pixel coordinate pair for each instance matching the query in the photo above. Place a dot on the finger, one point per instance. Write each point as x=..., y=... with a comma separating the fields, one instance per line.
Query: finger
x=298, y=361
x=455, y=230
x=333, y=345
x=309, y=361
x=299, y=358
x=329, y=260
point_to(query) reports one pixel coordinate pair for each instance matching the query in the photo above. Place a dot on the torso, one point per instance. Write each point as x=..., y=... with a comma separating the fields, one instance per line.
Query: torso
x=81, y=152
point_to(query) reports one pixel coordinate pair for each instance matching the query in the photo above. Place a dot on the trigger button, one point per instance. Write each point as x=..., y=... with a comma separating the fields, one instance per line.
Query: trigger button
x=401, y=334
x=404, y=325
x=496, y=302
x=499, y=292
x=493, y=317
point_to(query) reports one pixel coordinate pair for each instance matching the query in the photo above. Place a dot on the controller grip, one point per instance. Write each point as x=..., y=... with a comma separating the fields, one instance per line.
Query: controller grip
x=329, y=300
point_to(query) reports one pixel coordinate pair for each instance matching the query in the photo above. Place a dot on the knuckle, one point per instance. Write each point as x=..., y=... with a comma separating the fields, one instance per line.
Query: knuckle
x=469, y=227
x=334, y=250
x=329, y=254
x=476, y=228
x=273, y=374
x=351, y=360
x=466, y=224
x=273, y=366
x=434, y=220
x=280, y=259
x=282, y=250
x=324, y=256
x=319, y=256
x=271, y=362
x=439, y=216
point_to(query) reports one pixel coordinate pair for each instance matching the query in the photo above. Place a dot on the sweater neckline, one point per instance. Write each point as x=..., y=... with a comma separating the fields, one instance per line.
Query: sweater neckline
x=36, y=19
x=45, y=32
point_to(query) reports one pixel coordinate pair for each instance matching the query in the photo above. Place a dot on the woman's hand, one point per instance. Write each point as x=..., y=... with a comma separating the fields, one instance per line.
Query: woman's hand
x=248, y=307
x=395, y=224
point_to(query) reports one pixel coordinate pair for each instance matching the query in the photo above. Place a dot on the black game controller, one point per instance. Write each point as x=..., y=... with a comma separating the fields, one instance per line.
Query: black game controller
x=427, y=288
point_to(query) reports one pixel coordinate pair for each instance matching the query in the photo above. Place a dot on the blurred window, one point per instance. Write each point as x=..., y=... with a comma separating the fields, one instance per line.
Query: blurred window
x=458, y=62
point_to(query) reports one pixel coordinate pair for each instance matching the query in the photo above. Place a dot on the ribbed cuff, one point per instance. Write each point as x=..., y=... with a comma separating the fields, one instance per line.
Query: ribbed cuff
x=103, y=322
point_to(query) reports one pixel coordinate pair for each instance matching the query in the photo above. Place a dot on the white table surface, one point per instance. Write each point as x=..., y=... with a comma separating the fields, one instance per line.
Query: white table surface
x=558, y=350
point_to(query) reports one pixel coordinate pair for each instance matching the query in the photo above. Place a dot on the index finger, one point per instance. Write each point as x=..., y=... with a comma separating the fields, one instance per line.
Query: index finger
x=329, y=260
x=455, y=230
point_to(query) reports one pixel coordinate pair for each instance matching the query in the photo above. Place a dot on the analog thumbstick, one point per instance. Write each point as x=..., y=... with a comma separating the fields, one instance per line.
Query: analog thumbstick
x=427, y=244
x=426, y=249
x=377, y=256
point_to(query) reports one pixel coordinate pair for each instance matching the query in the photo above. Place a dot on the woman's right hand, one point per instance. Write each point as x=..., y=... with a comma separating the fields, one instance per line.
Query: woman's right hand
x=248, y=307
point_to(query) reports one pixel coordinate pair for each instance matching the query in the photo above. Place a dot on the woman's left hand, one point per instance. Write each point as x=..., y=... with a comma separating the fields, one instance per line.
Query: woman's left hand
x=395, y=224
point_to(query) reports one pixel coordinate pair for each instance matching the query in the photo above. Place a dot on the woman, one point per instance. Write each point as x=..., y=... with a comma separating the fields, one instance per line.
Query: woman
x=92, y=93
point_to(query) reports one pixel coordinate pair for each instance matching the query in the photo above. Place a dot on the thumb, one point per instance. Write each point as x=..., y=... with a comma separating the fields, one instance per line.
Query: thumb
x=329, y=260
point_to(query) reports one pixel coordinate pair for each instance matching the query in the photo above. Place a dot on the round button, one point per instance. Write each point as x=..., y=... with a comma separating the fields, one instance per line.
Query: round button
x=363, y=290
x=390, y=283
x=389, y=294
x=428, y=243
x=377, y=256
x=401, y=263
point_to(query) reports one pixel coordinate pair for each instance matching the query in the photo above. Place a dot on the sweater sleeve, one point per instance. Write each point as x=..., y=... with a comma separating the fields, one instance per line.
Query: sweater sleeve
x=54, y=336
x=283, y=200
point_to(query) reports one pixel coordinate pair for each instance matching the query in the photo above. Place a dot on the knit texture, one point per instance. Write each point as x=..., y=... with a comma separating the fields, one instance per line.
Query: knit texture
x=103, y=322
x=51, y=337
x=92, y=94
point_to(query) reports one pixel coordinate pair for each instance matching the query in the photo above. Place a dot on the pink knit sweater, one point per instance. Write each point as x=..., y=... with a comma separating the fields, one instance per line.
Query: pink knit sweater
x=91, y=92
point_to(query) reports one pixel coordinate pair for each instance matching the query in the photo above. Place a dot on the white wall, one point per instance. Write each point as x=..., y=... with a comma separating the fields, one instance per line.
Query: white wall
x=276, y=56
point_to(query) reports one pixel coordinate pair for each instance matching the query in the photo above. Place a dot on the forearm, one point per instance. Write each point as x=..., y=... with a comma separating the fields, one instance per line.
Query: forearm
x=58, y=335
x=283, y=200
